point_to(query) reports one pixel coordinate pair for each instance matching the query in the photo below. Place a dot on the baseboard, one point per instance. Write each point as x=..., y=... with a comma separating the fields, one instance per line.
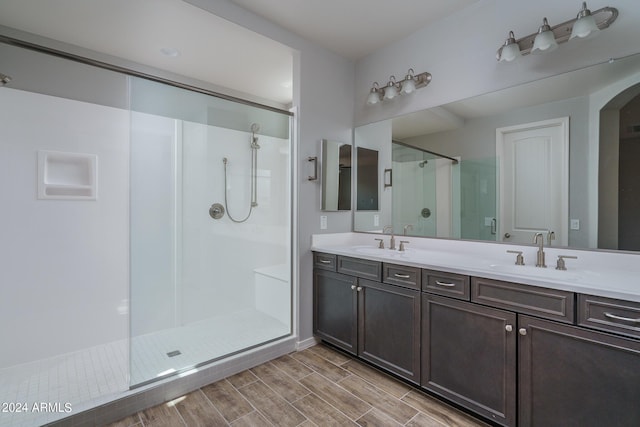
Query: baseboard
x=309, y=342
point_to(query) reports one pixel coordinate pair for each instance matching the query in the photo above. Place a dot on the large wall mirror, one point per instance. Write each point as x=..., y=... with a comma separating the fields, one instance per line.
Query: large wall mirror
x=336, y=176
x=555, y=156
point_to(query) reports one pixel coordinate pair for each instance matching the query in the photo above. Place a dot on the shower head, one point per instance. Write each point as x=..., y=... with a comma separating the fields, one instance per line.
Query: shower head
x=4, y=79
x=255, y=127
x=422, y=163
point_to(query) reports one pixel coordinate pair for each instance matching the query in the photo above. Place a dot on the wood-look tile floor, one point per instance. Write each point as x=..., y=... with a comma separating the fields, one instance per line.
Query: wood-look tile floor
x=314, y=387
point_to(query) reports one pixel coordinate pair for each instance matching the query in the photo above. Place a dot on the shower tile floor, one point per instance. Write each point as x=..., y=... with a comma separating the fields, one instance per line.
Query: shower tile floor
x=97, y=375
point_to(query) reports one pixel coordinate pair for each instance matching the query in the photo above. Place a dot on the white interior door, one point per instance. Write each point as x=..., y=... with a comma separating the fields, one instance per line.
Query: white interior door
x=534, y=181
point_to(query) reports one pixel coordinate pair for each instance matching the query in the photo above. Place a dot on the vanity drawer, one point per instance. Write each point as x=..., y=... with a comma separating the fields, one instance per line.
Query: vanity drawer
x=447, y=284
x=360, y=267
x=401, y=275
x=608, y=314
x=542, y=302
x=324, y=261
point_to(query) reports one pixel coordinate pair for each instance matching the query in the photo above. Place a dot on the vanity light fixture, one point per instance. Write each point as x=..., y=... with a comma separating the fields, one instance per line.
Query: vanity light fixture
x=392, y=89
x=585, y=25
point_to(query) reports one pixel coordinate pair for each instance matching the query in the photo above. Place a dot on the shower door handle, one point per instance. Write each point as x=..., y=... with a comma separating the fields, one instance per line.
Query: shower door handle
x=313, y=177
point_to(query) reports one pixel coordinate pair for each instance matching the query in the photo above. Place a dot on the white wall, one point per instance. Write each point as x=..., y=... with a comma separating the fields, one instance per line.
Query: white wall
x=460, y=53
x=63, y=263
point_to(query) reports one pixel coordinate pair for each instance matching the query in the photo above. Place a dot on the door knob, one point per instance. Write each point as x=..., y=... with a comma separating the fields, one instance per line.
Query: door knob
x=508, y=328
x=523, y=331
x=507, y=235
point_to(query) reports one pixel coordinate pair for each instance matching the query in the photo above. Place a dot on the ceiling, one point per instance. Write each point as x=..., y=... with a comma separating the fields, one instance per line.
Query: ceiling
x=198, y=43
x=353, y=28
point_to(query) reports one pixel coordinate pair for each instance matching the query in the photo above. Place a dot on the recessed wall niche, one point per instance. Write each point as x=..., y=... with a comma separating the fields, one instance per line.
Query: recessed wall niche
x=67, y=176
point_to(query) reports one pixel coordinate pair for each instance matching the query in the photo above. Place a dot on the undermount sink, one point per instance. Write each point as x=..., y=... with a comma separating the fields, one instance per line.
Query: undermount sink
x=544, y=273
x=372, y=250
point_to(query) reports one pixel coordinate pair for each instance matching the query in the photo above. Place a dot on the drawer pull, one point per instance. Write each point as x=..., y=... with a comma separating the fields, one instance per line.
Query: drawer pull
x=402, y=276
x=324, y=261
x=448, y=285
x=625, y=319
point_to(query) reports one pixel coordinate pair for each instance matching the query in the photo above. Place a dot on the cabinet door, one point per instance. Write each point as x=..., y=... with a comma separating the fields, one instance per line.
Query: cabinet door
x=571, y=376
x=389, y=328
x=335, y=309
x=469, y=356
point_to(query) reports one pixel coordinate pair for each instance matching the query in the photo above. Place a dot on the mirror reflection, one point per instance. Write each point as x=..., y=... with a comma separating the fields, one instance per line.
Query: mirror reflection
x=336, y=176
x=549, y=156
x=367, y=179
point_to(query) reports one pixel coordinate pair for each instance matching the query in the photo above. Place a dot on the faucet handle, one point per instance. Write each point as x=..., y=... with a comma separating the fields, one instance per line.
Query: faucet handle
x=560, y=264
x=402, y=243
x=519, y=257
x=381, y=244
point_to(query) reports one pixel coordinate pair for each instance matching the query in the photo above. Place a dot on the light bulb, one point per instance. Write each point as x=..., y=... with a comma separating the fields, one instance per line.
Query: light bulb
x=585, y=26
x=374, y=95
x=545, y=41
x=390, y=90
x=408, y=84
x=510, y=50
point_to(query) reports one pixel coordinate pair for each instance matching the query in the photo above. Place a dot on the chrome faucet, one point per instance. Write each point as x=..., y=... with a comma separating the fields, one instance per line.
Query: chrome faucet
x=538, y=239
x=392, y=242
x=408, y=226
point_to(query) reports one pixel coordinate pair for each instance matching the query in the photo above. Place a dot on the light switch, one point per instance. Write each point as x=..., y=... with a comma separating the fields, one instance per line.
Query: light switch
x=376, y=220
x=323, y=222
x=575, y=224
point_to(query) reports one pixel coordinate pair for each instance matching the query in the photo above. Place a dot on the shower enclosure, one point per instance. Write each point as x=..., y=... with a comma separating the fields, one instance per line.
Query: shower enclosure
x=203, y=288
x=114, y=272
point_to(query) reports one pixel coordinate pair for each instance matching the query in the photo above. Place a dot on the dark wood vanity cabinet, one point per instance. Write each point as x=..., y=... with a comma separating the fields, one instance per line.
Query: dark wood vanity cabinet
x=389, y=328
x=335, y=308
x=469, y=356
x=571, y=376
x=379, y=322
x=512, y=353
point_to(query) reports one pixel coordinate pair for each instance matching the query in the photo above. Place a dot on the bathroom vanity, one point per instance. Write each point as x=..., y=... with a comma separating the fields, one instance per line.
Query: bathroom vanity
x=535, y=346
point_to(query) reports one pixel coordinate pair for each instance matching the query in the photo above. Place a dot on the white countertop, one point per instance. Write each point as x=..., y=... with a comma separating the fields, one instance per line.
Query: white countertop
x=607, y=274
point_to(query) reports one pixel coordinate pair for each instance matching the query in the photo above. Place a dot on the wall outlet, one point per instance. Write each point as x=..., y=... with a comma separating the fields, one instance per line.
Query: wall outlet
x=376, y=220
x=575, y=224
x=323, y=222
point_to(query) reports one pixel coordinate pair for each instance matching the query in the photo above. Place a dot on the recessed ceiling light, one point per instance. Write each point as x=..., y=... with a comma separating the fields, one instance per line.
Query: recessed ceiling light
x=169, y=51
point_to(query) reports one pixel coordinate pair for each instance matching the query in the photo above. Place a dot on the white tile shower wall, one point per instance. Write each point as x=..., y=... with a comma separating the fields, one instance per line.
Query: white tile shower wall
x=63, y=263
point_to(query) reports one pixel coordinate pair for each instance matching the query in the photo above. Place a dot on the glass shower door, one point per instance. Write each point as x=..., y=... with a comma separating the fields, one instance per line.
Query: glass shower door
x=204, y=286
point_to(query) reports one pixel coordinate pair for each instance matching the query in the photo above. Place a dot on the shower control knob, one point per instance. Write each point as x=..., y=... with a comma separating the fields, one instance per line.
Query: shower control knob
x=216, y=211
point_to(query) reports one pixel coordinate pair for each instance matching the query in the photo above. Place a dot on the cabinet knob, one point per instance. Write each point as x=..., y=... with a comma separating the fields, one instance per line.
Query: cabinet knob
x=508, y=328
x=353, y=287
x=359, y=288
x=523, y=331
